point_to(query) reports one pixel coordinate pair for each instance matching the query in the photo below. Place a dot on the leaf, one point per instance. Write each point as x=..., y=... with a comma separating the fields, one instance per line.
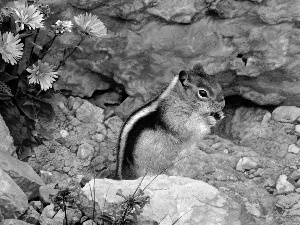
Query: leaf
x=5, y=77
x=25, y=35
x=5, y=90
x=14, y=121
x=30, y=111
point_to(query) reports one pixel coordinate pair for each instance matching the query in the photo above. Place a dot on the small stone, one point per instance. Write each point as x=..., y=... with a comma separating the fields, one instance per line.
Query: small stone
x=45, y=191
x=293, y=149
x=66, y=169
x=287, y=114
x=85, y=151
x=297, y=128
x=297, y=190
x=65, y=111
x=98, y=137
x=76, y=105
x=245, y=163
x=89, y=222
x=64, y=133
x=61, y=105
x=37, y=205
x=290, y=156
x=283, y=186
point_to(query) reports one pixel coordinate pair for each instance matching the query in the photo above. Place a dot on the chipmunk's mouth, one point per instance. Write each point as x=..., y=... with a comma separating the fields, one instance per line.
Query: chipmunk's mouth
x=217, y=115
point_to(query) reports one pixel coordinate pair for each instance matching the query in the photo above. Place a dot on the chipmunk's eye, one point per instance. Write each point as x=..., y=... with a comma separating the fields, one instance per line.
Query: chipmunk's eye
x=202, y=93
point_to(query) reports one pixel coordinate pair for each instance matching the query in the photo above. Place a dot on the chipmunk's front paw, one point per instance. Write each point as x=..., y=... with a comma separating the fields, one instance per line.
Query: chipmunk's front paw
x=211, y=121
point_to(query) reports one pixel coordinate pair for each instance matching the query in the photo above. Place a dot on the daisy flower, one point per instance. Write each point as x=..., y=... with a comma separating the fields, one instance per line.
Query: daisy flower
x=10, y=47
x=28, y=16
x=91, y=26
x=42, y=74
x=61, y=26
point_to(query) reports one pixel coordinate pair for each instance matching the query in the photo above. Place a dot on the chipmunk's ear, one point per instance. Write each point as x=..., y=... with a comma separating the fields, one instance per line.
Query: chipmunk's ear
x=183, y=77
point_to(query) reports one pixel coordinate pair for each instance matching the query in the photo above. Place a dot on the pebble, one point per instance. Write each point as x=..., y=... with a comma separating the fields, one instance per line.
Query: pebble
x=290, y=156
x=64, y=133
x=293, y=149
x=61, y=105
x=245, y=163
x=85, y=150
x=297, y=128
x=283, y=186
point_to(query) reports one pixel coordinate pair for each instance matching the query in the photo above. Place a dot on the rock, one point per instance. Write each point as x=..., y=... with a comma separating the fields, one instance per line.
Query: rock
x=64, y=133
x=128, y=106
x=283, y=186
x=287, y=114
x=85, y=151
x=14, y=222
x=84, y=4
x=177, y=11
x=246, y=163
x=98, y=137
x=114, y=123
x=293, y=149
x=7, y=142
x=89, y=222
x=238, y=40
x=37, y=205
x=22, y=173
x=108, y=98
x=172, y=196
x=297, y=127
x=45, y=191
x=89, y=113
x=50, y=216
x=31, y=216
x=13, y=201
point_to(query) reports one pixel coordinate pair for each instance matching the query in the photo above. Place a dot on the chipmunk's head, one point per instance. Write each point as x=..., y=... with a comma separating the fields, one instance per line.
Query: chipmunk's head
x=203, y=91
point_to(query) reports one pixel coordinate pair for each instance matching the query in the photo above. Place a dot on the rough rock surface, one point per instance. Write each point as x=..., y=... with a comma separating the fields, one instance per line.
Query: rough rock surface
x=252, y=45
x=7, y=142
x=13, y=201
x=172, y=197
x=88, y=148
x=22, y=174
x=14, y=222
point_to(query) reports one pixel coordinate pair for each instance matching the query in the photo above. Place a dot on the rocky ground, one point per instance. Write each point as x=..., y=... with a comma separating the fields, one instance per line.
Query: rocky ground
x=253, y=158
x=250, y=165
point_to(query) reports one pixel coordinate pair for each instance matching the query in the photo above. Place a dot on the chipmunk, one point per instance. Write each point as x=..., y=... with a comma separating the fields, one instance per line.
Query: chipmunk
x=179, y=116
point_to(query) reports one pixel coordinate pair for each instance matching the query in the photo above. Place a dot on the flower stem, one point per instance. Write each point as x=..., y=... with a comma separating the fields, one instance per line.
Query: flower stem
x=46, y=47
x=65, y=58
x=35, y=37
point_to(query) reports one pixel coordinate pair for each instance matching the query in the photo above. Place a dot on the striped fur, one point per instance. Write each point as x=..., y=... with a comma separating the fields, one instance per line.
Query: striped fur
x=148, y=108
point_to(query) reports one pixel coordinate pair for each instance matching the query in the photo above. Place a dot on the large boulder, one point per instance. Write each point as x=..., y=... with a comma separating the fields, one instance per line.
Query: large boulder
x=22, y=173
x=196, y=202
x=13, y=201
x=251, y=45
x=7, y=142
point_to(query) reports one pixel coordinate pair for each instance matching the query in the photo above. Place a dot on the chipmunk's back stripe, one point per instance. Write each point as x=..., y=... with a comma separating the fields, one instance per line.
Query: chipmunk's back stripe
x=151, y=106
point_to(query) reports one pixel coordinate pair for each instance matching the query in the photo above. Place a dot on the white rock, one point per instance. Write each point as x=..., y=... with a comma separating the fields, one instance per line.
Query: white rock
x=64, y=133
x=287, y=114
x=246, y=163
x=293, y=149
x=297, y=128
x=171, y=197
x=283, y=186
